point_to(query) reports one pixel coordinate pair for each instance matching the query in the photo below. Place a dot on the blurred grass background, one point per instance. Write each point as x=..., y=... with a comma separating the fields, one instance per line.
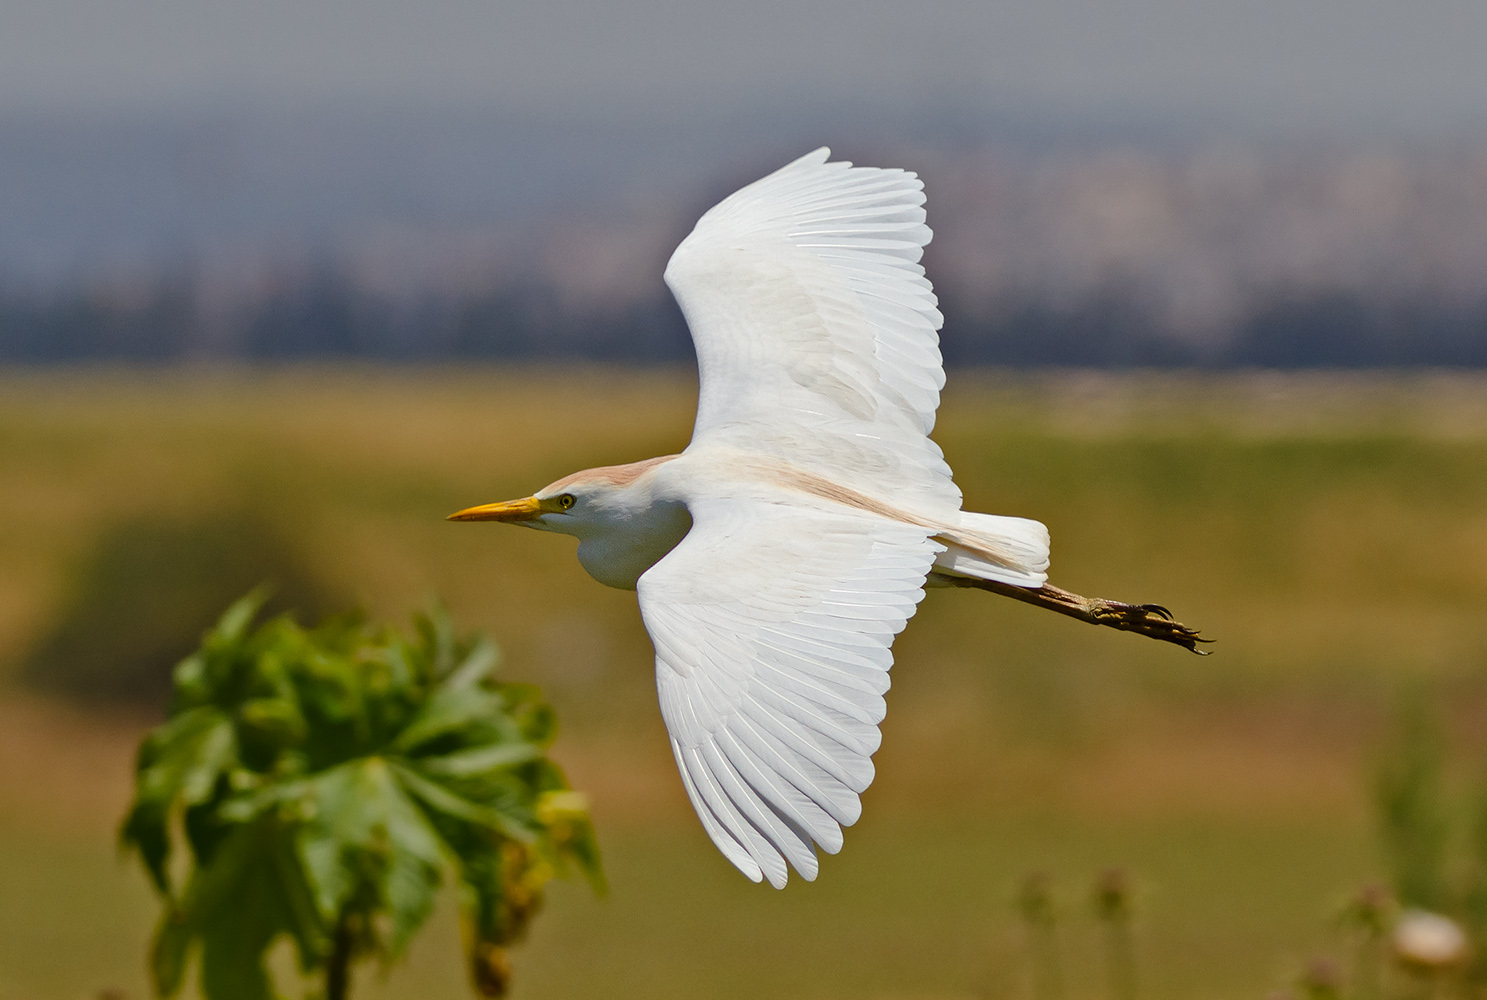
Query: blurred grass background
x=1329, y=530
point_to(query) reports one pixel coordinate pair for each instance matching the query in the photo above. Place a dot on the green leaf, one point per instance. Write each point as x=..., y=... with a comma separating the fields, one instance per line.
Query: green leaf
x=441, y=799
x=480, y=760
x=146, y=829
x=290, y=798
x=310, y=932
x=406, y=824
x=409, y=888
x=190, y=681
x=570, y=834
x=359, y=810
x=534, y=717
x=437, y=634
x=368, y=829
x=235, y=906
x=234, y=944
x=327, y=877
x=169, y=953
x=477, y=666
x=277, y=719
x=445, y=711
x=181, y=761
x=335, y=825
x=233, y=624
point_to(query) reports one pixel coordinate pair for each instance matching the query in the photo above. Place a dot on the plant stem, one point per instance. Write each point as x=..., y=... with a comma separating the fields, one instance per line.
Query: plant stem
x=1114, y=899
x=1368, y=968
x=338, y=968
x=1048, y=973
x=1035, y=901
x=1121, y=960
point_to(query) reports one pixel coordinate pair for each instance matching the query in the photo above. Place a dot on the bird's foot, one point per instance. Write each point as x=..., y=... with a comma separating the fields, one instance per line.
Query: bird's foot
x=1145, y=619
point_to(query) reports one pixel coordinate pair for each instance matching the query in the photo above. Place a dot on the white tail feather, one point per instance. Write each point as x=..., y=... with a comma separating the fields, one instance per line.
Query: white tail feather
x=1012, y=550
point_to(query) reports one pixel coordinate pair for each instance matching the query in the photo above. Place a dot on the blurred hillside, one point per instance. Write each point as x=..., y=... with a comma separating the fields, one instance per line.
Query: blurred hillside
x=402, y=236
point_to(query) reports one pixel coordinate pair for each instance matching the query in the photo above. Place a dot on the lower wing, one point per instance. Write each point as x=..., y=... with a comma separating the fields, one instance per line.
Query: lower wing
x=772, y=625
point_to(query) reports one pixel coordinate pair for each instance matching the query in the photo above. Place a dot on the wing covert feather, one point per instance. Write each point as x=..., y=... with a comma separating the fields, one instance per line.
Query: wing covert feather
x=772, y=624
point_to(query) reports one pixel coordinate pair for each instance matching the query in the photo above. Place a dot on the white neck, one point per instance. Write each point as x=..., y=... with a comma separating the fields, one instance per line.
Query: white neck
x=626, y=525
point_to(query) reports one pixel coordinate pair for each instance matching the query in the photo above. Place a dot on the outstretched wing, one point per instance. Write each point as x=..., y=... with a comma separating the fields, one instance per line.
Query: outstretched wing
x=772, y=625
x=815, y=327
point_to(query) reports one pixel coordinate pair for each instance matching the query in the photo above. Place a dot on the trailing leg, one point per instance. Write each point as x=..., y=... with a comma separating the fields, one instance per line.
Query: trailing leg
x=1144, y=619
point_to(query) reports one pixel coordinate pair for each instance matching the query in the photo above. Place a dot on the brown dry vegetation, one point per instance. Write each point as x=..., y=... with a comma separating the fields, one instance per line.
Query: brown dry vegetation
x=1330, y=531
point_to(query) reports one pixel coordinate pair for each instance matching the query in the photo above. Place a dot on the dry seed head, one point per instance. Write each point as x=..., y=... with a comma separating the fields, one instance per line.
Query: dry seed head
x=1035, y=899
x=1371, y=911
x=1114, y=895
x=1322, y=979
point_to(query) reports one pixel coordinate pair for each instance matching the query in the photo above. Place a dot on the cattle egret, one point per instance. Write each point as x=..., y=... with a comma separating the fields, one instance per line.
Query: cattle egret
x=777, y=557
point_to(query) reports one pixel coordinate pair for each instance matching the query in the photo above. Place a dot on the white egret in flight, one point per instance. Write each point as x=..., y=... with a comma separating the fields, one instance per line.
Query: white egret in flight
x=778, y=556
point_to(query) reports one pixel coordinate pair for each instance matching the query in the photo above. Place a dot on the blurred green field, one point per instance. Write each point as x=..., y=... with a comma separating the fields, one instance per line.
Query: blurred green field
x=1329, y=531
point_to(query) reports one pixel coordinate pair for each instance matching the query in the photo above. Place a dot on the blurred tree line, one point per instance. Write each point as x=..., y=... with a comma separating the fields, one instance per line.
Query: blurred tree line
x=325, y=314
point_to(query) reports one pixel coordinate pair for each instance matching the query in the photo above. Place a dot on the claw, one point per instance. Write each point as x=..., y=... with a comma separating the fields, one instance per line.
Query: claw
x=1151, y=620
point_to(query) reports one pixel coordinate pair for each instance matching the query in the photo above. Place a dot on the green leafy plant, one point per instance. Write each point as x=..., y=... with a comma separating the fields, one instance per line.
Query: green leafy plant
x=326, y=781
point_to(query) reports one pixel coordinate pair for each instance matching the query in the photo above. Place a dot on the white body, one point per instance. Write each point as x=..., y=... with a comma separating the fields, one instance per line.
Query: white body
x=777, y=557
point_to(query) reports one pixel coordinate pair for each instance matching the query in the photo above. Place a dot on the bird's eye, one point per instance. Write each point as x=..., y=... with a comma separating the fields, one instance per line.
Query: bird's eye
x=566, y=500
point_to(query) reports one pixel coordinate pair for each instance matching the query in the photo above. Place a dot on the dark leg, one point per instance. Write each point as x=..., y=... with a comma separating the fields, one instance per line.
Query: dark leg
x=1144, y=619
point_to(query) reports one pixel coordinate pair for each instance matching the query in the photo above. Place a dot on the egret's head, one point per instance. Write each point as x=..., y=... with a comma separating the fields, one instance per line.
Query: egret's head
x=559, y=507
x=574, y=503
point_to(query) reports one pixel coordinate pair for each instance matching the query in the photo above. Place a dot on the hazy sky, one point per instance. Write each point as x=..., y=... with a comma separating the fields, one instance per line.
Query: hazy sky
x=1416, y=65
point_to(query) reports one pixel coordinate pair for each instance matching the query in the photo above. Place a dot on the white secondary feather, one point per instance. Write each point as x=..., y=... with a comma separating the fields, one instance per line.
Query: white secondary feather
x=772, y=624
x=815, y=328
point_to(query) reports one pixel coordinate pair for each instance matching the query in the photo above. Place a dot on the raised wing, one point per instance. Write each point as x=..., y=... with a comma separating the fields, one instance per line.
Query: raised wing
x=815, y=328
x=772, y=625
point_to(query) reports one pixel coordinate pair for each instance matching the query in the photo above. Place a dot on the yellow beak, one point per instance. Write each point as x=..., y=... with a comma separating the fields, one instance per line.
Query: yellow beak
x=524, y=509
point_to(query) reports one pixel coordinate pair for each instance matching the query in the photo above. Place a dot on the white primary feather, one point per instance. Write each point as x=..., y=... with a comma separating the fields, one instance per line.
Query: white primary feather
x=815, y=329
x=772, y=623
